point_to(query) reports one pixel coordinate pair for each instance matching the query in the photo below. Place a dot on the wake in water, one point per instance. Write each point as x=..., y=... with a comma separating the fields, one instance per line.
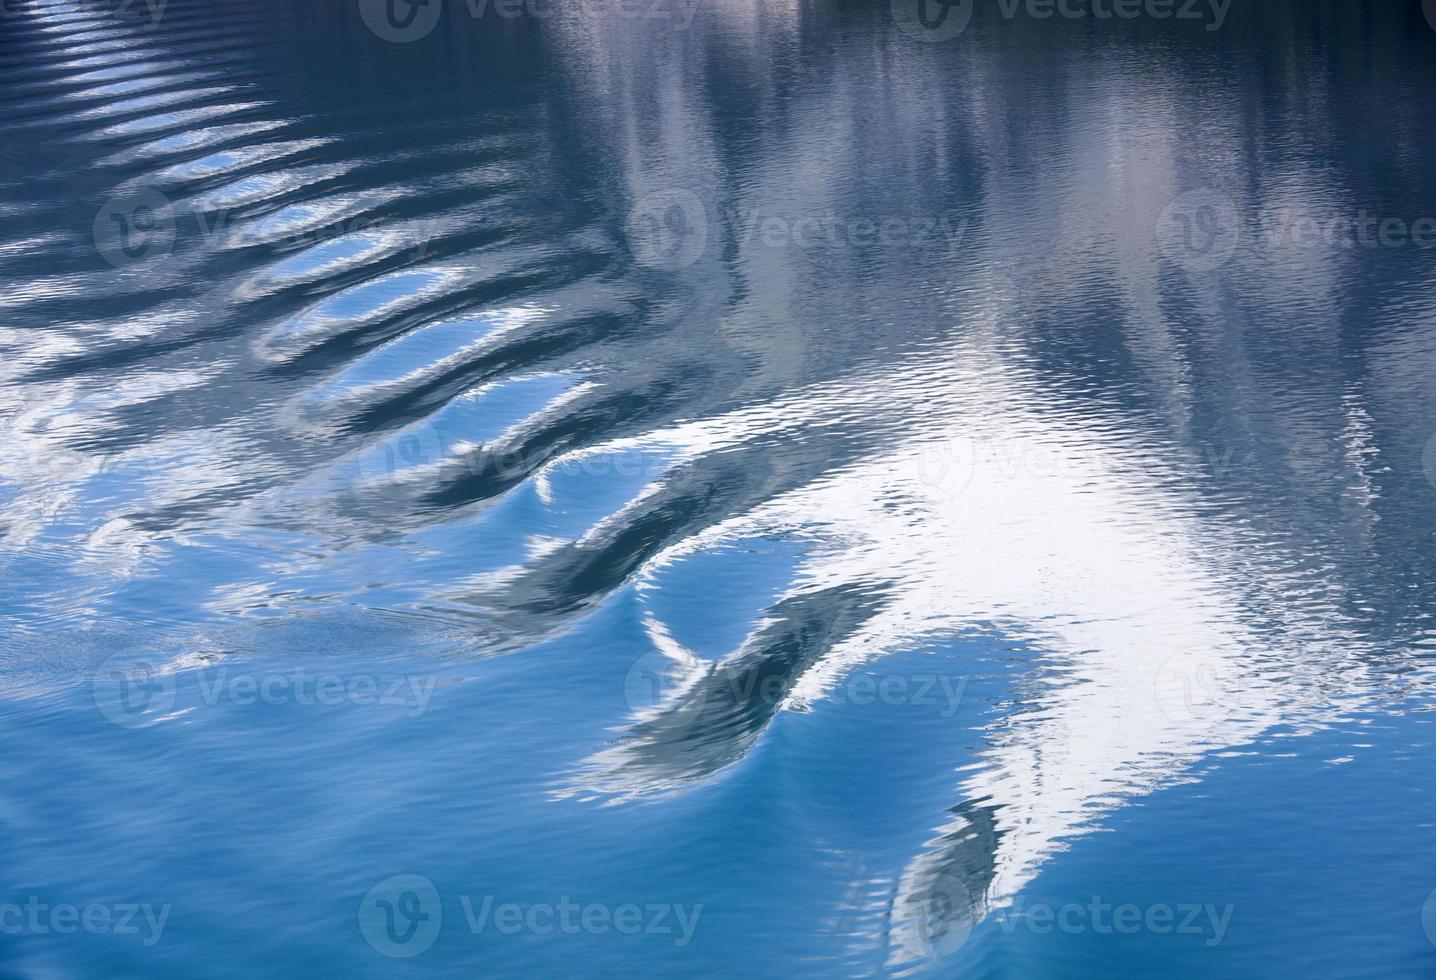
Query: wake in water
x=641, y=385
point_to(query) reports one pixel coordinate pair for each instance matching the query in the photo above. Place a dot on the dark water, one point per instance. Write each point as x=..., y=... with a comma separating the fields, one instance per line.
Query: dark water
x=743, y=488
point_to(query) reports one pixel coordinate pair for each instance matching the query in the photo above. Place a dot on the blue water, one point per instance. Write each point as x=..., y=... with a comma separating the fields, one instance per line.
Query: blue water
x=744, y=488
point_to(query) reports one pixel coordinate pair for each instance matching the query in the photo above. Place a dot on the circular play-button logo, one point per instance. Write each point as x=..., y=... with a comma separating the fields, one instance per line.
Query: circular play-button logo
x=135, y=227
x=1194, y=688
x=413, y=449
x=1428, y=461
x=940, y=917
x=132, y=694
x=400, y=21
x=400, y=917
x=1428, y=917
x=667, y=230
x=1200, y=231
x=932, y=20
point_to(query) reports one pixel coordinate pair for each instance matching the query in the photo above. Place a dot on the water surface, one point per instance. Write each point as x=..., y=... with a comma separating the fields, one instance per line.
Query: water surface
x=872, y=498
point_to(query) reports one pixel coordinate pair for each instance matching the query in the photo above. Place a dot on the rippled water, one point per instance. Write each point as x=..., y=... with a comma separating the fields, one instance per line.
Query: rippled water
x=731, y=488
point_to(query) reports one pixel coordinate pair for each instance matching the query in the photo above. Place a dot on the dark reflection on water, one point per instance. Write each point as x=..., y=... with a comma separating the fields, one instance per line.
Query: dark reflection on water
x=822, y=460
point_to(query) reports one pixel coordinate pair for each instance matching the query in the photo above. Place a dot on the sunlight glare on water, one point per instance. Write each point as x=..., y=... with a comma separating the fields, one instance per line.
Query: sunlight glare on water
x=698, y=489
